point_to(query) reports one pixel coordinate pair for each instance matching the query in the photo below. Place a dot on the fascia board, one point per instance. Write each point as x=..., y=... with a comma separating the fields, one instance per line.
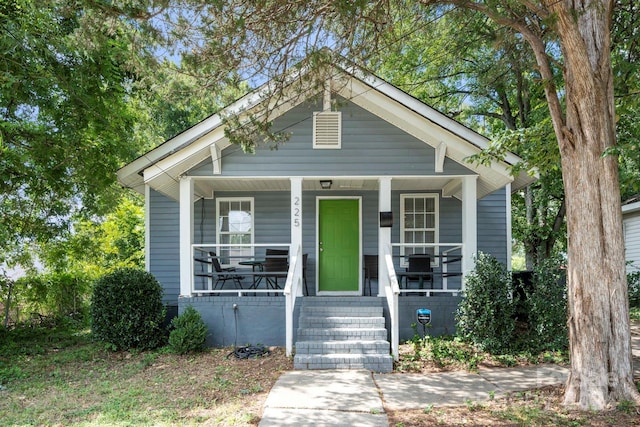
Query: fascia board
x=187, y=157
x=631, y=207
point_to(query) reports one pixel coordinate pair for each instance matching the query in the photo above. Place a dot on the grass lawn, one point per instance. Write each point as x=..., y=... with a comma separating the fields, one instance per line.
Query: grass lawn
x=63, y=379
x=66, y=380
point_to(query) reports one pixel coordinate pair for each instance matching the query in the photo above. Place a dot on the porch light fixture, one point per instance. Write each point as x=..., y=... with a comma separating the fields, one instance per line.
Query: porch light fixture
x=326, y=184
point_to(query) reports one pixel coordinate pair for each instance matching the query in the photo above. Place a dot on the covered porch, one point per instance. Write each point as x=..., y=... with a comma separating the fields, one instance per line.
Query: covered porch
x=378, y=223
x=242, y=259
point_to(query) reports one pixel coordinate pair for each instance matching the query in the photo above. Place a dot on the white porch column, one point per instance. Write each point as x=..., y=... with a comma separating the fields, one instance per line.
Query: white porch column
x=469, y=223
x=384, y=233
x=186, y=235
x=296, y=218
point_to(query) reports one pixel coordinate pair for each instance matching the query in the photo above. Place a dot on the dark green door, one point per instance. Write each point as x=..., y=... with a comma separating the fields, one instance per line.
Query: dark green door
x=338, y=245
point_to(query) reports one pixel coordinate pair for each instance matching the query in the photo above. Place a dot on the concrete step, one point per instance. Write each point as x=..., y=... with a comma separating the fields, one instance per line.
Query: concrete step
x=376, y=363
x=327, y=311
x=343, y=301
x=340, y=322
x=341, y=334
x=380, y=347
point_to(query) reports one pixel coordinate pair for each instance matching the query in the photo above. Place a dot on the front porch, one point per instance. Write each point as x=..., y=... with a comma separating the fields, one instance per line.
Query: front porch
x=448, y=233
x=233, y=261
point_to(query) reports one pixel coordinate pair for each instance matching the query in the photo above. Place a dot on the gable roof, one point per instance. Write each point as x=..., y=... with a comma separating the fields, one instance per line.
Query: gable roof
x=162, y=166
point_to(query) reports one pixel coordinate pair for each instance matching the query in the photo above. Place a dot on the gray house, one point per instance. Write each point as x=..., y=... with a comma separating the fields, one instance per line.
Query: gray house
x=371, y=198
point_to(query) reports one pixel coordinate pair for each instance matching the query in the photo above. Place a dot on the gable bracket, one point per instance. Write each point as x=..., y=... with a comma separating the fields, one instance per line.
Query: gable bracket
x=441, y=151
x=216, y=159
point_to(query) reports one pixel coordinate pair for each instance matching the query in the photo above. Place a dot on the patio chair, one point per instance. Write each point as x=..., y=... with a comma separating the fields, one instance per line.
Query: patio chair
x=276, y=266
x=420, y=265
x=221, y=274
x=370, y=270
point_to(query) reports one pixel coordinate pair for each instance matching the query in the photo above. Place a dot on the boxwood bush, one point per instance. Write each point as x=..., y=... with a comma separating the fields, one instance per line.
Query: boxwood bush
x=486, y=315
x=547, y=304
x=189, y=333
x=127, y=310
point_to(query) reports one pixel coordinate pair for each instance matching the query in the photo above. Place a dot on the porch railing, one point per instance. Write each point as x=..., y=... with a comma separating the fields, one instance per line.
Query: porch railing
x=203, y=249
x=447, y=260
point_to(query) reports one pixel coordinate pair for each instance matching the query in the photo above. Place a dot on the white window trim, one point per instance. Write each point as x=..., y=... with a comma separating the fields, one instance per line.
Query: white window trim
x=217, y=225
x=436, y=235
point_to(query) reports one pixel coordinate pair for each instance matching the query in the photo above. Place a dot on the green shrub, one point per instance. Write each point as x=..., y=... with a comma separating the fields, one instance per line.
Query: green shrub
x=48, y=299
x=189, y=333
x=485, y=316
x=633, y=282
x=547, y=305
x=127, y=310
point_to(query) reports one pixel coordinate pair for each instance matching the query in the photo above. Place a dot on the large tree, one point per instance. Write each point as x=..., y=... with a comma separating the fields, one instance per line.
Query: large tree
x=68, y=72
x=270, y=36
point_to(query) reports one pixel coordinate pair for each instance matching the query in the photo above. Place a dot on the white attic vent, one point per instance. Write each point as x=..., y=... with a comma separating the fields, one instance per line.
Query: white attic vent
x=327, y=130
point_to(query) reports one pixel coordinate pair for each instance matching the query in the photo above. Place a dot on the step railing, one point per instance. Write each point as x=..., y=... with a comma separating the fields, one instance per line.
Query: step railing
x=391, y=292
x=292, y=289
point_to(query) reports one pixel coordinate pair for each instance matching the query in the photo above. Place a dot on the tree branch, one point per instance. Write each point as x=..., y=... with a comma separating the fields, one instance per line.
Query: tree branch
x=537, y=45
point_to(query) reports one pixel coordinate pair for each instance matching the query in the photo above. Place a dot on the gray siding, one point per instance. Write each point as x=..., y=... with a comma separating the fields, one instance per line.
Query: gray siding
x=492, y=225
x=271, y=217
x=164, y=240
x=370, y=146
x=632, y=241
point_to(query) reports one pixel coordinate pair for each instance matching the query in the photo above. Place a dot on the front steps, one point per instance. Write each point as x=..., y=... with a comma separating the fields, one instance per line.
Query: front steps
x=342, y=333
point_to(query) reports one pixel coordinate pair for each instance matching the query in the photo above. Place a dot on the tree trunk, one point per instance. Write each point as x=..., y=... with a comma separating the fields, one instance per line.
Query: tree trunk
x=599, y=333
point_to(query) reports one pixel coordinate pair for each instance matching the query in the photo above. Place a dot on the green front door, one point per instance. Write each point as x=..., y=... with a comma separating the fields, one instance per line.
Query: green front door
x=339, y=245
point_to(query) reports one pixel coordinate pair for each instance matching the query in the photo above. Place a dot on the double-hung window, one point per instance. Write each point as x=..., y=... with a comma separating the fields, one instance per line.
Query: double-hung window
x=419, y=219
x=235, y=227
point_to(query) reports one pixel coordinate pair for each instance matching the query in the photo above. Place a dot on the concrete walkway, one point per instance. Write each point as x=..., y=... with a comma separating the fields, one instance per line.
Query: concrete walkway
x=359, y=397
x=355, y=398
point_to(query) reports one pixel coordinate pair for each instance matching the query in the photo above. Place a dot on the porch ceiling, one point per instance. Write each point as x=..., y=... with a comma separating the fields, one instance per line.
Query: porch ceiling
x=207, y=187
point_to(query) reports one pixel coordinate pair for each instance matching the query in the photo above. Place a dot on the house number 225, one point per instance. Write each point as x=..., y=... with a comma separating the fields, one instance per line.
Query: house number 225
x=296, y=211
